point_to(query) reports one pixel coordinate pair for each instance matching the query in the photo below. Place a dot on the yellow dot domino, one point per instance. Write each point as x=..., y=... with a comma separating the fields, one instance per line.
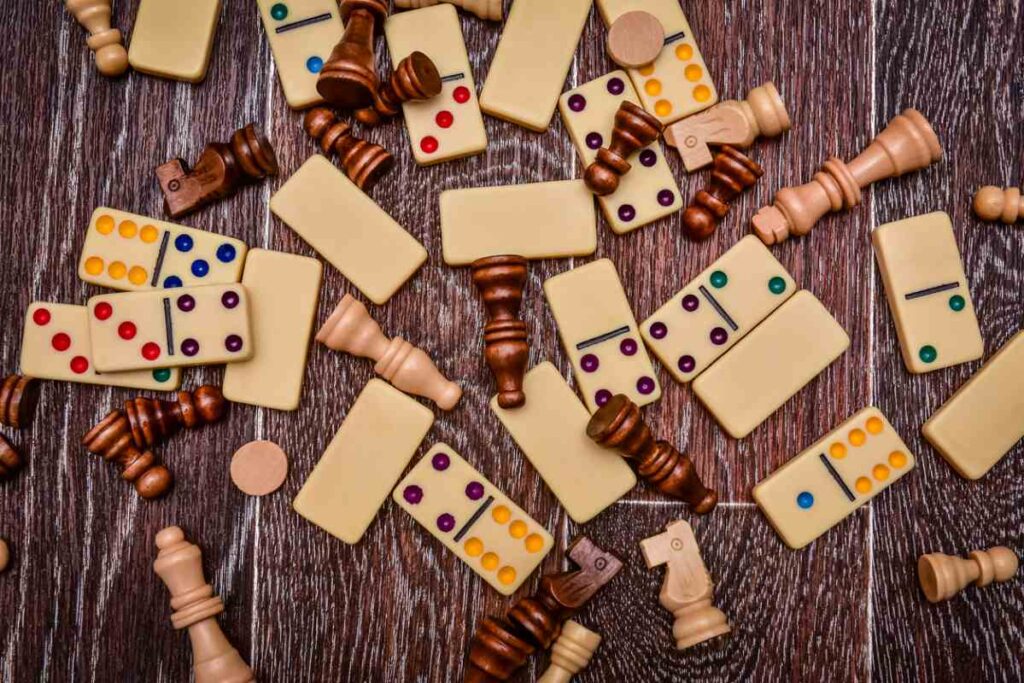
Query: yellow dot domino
x=875, y=425
x=684, y=52
x=534, y=543
x=517, y=529
x=837, y=451
x=474, y=546
x=647, y=70
x=863, y=485
x=653, y=87
x=137, y=275
x=693, y=73
x=117, y=270
x=507, y=575
x=663, y=108
x=702, y=93
x=128, y=229
x=489, y=561
x=898, y=459
x=880, y=472
x=501, y=514
x=94, y=265
x=105, y=224
x=149, y=234
x=857, y=437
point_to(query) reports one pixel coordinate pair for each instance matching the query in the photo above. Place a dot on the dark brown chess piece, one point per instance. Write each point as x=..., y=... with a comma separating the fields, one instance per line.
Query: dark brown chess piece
x=112, y=440
x=501, y=646
x=634, y=128
x=153, y=420
x=733, y=173
x=617, y=424
x=500, y=280
x=10, y=461
x=222, y=168
x=18, y=398
x=363, y=162
x=348, y=79
x=415, y=78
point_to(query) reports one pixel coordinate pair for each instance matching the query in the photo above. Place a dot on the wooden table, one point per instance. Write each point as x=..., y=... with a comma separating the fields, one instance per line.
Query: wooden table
x=81, y=602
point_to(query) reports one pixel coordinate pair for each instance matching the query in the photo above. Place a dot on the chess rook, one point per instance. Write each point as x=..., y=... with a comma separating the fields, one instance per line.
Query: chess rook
x=571, y=653
x=10, y=461
x=112, y=440
x=485, y=9
x=500, y=280
x=415, y=78
x=363, y=162
x=943, y=576
x=104, y=41
x=634, y=128
x=153, y=421
x=733, y=173
x=348, y=79
x=993, y=203
x=907, y=144
x=18, y=398
x=618, y=425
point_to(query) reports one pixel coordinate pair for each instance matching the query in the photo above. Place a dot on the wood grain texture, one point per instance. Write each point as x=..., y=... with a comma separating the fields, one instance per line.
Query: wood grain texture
x=80, y=601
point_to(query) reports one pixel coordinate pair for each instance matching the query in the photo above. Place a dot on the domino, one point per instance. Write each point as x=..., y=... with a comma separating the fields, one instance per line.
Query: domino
x=348, y=229
x=649, y=191
x=283, y=290
x=537, y=220
x=174, y=39
x=717, y=308
x=984, y=419
x=363, y=461
x=830, y=480
x=532, y=59
x=55, y=345
x=551, y=429
x=600, y=336
x=777, y=359
x=159, y=328
x=302, y=34
x=129, y=252
x=927, y=292
x=677, y=83
x=473, y=519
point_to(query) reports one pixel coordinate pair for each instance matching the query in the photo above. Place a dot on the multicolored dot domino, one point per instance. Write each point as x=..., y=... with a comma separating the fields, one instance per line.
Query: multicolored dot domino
x=302, y=34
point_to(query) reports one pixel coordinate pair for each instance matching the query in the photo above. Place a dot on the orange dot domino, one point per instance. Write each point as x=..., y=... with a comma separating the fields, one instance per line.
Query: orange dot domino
x=259, y=468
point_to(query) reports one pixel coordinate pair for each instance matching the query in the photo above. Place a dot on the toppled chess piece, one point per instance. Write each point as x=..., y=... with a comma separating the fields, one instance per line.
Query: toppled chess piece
x=733, y=173
x=993, y=203
x=350, y=329
x=943, y=576
x=179, y=564
x=348, y=79
x=10, y=461
x=571, y=653
x=153, y=421
x=104, y=41
x=18, y=398
x=485, y=9
x=415, y=78
x=618, y=424
x=111, y=439
x=634, y=128
x=5, y=555
x=907, y=144
x=635, y=39
x=500, y=280
x=363, y=162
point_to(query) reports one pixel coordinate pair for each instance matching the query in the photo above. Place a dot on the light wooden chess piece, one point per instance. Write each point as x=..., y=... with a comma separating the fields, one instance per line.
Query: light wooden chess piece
x=943, y=576
x=104, y=41
x=180, y=565
x=571, y=653
x=485, y=9
x=687, y=589
x=993, y=203
x=907, y=144
x=733, y=122
x=350, y=329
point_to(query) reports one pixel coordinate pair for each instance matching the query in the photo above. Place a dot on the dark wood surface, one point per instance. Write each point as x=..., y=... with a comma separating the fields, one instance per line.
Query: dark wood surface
x=81, y=602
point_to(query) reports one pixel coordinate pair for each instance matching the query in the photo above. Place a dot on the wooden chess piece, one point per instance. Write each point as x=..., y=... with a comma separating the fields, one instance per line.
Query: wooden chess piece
x=179, y=564
x=618, y=424
x=348, y=79
x=634, y=128
x=733, y=173
x=687, y=589
x=350, y=329
x=993, y=203
x=10, y=461
x=5, y=555
x=104, y=41
x=571, y=653
x=111, y=439
x=222, y=169
x=733, y=122
x=153, y=420
x=500, y=280
x=415, y=78
x=363, y=162
x=635, y=39
x=485, y=9
x=907, y=144
x=18, y=398
x=943, y=576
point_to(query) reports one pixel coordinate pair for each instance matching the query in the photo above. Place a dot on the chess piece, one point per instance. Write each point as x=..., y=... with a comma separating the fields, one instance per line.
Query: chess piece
x=500, y=280
x=571, y=653
x=687, y=589
x=907, y=144
x=733, y=122
x=993, y=203
x=5, y=555
x=634, y=128
x=10, y=461
x=501, y=646
x=104, y=41
x=350, y=329
x=222, y=168
x=733, y=173
x=415, y=78
x=363, y=162
x=180, y=565
x=617, y=424
x=348, y=79
x=153, y=420
x=18, y=398
x=485, y=9
x=111, y=439
x=943, y=576
x=635, y=39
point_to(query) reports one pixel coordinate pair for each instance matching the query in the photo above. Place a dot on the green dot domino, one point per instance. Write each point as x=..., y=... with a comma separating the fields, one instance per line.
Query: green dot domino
x=928, y=354
x=957, y=302
x=719, y=279
x=162, y=375
x=777, y=285
x=279, y=11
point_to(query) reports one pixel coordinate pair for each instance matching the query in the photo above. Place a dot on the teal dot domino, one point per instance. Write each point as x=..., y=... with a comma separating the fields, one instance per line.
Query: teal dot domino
x=719, y=279
x=777, y=285
x=957, y=302
x=928, y=354
x=279, y=11
x=162, y=375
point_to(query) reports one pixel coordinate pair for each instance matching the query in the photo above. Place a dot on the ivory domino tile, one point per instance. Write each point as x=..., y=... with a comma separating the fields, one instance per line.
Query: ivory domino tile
x=173, y=38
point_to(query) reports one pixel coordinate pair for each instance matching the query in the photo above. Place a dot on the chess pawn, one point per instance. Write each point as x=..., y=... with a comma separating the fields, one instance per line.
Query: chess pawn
x=104, y=41
x=907, y=144
x=111, y=439
x=485, y=9
x=153, y=420
x=571, y=653
x=500, y=280
x=179, y=564
x=10, y=461
x=18, y=398
x=348, y=79
x=733, y=173
x=415, y=78
x=943, y=576
x=350, y=329
x=634, y=128
x=363, y=162
x=993, y=203
x=617, y=424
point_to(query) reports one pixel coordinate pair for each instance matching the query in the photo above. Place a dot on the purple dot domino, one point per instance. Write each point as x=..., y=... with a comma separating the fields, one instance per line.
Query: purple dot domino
x=645, y=385
x=445, y=522
x=413, y=494
x=577, y=102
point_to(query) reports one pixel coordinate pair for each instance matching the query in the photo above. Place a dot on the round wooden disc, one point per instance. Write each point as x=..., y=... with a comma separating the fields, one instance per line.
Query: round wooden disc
x=259, y=468
x=5, y=555
x=635, y=39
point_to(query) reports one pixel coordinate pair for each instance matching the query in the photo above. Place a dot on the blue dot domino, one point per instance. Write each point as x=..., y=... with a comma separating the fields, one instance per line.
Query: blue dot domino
x=805, y=500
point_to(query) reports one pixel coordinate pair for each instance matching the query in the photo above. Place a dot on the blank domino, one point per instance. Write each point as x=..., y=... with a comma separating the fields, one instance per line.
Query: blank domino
x=778, y=358
x=283, y=289
x=551, y=429
x=174, y=39
x=831, y=479
x=600, y=336
x=302, y=34
x=537, y=220
x=449, y=125
x=348, y=229
x=983, y=420
x=533, y=56
x=130, y=252
x=927, y=292
x=365, y=458
x=717, y=309
x=473, y=519
x=649, y=191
